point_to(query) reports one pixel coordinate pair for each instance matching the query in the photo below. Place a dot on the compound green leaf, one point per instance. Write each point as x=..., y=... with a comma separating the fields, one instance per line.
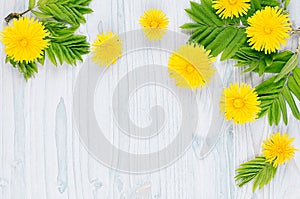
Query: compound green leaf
x=212, y=32
x=256, y=169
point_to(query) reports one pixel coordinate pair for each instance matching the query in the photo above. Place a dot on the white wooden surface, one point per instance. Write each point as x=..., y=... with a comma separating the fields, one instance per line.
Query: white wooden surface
x=41, y=155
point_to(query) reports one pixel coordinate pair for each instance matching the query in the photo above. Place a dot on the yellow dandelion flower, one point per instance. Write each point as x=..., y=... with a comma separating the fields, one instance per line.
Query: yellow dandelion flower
x=277, y=149
x=191, y=66
x=154, y=24
x=24, y=39
x=240, y=104
x=106, y=49
x=231, y=8
x=268, y=29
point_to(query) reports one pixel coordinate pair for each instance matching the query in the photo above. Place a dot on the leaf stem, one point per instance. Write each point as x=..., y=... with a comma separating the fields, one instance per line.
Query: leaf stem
x=23, y=13
x=241, y=26
x=298, y=46
x=15, y=15
x=295, y=32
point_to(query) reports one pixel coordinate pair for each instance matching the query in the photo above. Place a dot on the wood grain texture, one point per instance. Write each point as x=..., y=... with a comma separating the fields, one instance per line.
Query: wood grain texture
x=41, y=155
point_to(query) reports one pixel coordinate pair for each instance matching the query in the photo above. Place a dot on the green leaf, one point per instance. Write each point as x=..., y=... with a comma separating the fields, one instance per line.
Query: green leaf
x=264, y=176
x=276, y=112
x=296, y=74
x=273, y=63
x=294, y=87
x=211, y=37
x=269, y=60
x=215, y=34
x=270, y=115
x=41, y=15
x=194, y=17
x=28, y=70
x=43, y=2
x=267, y=85
x=31, y=4
x=196, y=9
x=51, y=56
x=65, y=46
x=221, y=41
x=290, y=100
x=42, y=60
x=7, y=59
x=275, y=95
x=271, y=3
x=257, y=61
x=256, y=4
x=286, y=4
x=190, y=26
x=282, y=105
x=249, y=54
x=275, y=67
x=283, y=56
x=198, y=33
x=234, y=45
x=289, y=66
x=67, y=11
x=199, y=36
x=261, y=67
x=256, y=169
x=252, y=67
x=210, y=14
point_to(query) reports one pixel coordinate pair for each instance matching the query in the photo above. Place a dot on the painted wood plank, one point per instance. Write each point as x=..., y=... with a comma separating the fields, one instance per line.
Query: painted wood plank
x=36, y=155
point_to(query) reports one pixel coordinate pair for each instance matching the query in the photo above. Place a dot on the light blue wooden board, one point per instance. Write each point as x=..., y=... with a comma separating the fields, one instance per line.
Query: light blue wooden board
x=41, y=155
